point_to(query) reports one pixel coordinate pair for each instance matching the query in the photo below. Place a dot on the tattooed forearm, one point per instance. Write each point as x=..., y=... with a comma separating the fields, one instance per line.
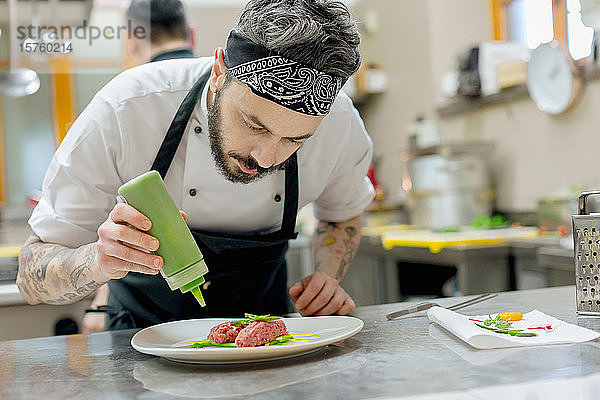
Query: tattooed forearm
x=55, y=274
x=76, y=294
x=350, y=248
x=335, y=245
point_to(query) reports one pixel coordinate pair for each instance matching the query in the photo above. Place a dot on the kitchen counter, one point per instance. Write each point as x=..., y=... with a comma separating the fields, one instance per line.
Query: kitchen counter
x=10, y=295
x=405, y=357
x=515, y=263
x=19, y=320
x=557, y=257
x=480, y=267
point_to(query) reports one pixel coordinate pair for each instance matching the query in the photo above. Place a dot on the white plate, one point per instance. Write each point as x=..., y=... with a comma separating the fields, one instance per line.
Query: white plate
x=170, y=339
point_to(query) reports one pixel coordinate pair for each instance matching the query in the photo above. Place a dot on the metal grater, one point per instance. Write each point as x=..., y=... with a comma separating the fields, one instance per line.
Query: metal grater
x=586, y=236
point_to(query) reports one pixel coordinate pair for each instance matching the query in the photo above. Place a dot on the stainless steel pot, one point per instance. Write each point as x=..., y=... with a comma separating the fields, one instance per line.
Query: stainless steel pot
x=448, y=191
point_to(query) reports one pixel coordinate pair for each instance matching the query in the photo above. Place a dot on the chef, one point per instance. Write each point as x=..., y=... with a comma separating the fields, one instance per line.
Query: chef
x=243, y=140
x=166, y=34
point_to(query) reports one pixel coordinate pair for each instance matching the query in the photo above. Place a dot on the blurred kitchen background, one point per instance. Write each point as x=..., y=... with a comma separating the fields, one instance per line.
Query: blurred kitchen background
x=483, y=115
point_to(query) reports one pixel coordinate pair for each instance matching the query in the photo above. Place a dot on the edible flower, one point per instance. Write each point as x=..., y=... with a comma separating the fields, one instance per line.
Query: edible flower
x=511, y=316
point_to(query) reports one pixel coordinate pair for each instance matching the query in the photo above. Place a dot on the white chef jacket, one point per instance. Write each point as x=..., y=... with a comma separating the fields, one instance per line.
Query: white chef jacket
x=117, y=137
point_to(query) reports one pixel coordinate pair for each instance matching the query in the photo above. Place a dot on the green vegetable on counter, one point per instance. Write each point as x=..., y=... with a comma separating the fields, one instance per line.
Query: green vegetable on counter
x=448, y=230
x=485, y=222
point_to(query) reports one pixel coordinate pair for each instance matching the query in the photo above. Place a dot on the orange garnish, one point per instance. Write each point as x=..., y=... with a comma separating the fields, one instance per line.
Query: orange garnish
x=511, y=316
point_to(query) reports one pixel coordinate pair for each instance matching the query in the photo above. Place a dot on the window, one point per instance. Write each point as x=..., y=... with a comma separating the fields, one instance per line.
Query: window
x=533, y=22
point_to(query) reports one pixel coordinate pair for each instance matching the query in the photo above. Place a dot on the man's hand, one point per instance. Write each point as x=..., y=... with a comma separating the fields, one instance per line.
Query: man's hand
x=320, y=294
x=55, y=274
x=123, y=245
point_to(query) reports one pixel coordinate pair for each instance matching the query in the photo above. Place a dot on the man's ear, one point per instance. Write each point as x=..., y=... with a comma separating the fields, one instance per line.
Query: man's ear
x=217, y=76
x=138, y=49
x=134, y=47
x=191, y=36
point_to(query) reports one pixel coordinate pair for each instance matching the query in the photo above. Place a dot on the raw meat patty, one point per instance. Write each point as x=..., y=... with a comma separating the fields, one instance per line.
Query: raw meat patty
x=259, y=333
x=224, y=333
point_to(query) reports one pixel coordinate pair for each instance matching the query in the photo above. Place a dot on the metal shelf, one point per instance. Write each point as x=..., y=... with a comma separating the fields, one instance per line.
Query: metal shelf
x=460, y=105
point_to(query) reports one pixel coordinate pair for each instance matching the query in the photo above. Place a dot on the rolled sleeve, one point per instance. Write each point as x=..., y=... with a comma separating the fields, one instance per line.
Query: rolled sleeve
x=80, y=184
x=348, y=191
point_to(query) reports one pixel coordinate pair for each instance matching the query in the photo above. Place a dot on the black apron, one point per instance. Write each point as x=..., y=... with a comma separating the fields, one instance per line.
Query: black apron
x=247, y=273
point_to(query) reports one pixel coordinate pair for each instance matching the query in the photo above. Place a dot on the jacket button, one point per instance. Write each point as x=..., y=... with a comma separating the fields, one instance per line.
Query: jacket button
x=198, y=129
x=277, y=198
x=192, y=192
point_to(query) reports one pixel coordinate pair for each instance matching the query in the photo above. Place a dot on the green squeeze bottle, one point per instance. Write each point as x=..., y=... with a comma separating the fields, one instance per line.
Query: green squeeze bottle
x=184, y=266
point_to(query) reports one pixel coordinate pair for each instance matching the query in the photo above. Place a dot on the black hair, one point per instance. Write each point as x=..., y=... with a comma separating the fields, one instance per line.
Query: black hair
x=164, y=19
x=318, y=33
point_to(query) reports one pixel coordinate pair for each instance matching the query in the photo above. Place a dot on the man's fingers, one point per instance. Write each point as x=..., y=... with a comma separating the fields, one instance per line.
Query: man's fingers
x=321, y=294
x=347, y=307
x=125, y=214
x=335, y=303
x=135, y=238
x=123, y=247
x=111, y=251
x=134, y=256
x=295, y=291
x=322, y=299
x=118, y=268
x=311, y=290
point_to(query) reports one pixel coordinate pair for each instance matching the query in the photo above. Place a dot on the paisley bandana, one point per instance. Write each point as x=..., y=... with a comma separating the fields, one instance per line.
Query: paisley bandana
x=286, y=82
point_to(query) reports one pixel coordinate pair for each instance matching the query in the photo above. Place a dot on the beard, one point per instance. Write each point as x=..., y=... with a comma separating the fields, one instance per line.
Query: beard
x=217, y=148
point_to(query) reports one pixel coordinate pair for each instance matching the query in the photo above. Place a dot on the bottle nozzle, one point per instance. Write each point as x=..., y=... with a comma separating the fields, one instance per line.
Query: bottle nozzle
x=198, y=295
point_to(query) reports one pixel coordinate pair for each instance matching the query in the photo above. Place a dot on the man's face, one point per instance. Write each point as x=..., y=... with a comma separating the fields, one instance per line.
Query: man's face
x=251, y=137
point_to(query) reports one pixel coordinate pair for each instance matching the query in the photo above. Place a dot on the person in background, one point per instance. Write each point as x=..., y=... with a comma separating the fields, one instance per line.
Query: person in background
x=167, y=33
x=170, y=37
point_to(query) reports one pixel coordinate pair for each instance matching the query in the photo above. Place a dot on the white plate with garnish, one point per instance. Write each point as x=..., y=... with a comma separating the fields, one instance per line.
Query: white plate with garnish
x=173, y=340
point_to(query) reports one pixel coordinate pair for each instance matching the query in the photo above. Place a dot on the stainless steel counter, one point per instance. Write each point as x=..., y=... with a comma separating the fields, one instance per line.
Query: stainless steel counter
x=386, y=359
x=479, y=268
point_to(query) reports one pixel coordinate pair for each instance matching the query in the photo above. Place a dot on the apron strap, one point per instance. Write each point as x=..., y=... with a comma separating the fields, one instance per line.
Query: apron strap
x=146, y=300
x=290, y=205
x=169, y=146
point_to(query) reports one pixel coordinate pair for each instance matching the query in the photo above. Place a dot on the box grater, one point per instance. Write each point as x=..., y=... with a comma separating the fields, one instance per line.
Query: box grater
x=586, y=237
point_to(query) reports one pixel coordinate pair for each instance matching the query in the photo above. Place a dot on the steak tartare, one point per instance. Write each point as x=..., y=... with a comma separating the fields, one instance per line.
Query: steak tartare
x=260, y=332
x=225, y=332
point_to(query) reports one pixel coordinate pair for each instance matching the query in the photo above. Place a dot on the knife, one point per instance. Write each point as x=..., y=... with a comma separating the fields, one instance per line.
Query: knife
x=427, y=305
x=414, y=309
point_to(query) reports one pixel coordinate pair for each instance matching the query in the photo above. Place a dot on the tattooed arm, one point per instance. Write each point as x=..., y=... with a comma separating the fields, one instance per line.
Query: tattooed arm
x=335, y=244
x=55, y=274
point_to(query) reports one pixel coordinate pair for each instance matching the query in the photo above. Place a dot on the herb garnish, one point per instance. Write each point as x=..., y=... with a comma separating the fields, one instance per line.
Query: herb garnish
x=281, y=340
x=251, y=318
x=499, y=325
x=208, y=343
